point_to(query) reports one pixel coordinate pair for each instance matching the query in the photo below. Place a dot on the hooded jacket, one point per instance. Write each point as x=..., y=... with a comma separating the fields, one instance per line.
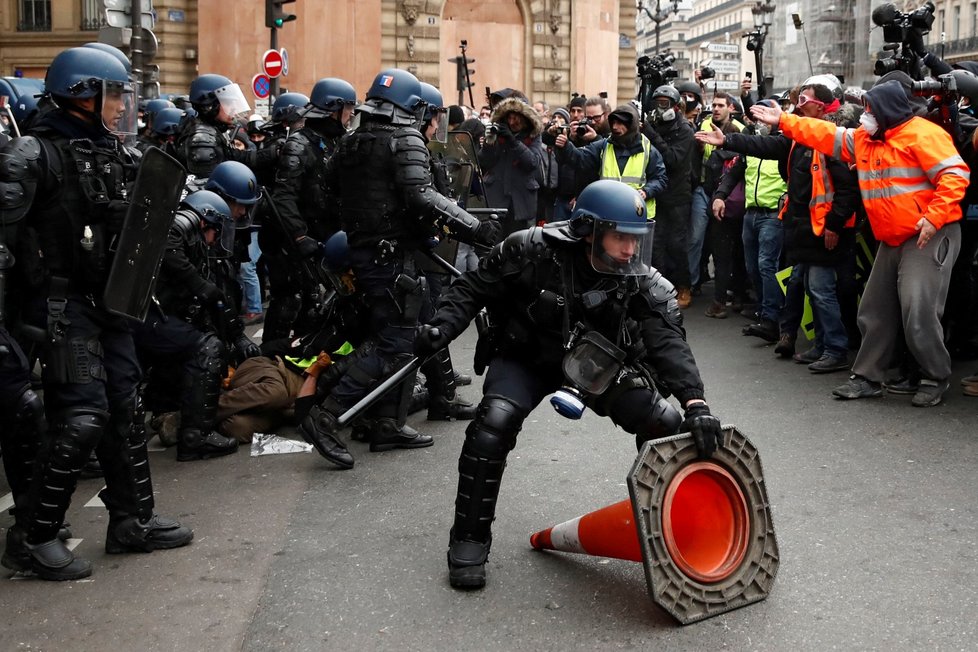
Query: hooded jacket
x=512, y=164
x=907, y=170
x=589, y=159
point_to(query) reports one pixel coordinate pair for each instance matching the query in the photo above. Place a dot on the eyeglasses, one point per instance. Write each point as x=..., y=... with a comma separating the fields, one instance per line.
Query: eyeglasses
x=803, y=100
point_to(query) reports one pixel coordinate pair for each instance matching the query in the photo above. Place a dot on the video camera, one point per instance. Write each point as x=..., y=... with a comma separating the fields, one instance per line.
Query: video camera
x=657, y=70
x=902, y=32
x=707, y=73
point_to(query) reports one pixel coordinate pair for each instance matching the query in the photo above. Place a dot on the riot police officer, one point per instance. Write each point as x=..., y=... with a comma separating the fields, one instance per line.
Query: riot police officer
x=163, y=132
x=285, y=116
x=174, y=335
x=148, y=113
x=71, y=196
x=577, y=312
x=305, y=214
x=382, y=175
x=204, y=141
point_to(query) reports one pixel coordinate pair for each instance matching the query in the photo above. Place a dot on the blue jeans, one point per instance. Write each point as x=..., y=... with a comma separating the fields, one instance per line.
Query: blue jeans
x=248, y=277
x=699, y=219
x=763, y=235
x=830, y=333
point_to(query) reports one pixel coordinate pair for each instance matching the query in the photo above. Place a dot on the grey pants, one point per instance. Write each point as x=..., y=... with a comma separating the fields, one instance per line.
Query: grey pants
x=908, y=286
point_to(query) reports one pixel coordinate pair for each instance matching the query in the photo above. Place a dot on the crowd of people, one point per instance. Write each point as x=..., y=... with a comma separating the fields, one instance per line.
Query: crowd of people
x=366, y=234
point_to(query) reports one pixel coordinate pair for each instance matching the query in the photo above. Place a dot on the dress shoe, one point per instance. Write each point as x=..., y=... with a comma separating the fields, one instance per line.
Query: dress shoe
x=765, y=329
x=829, y=363
x=785, y=348
x=388, y=436
x=132, y=534
x=858, y=387
x=443, y=409
x=192, y=444
x=319, y=429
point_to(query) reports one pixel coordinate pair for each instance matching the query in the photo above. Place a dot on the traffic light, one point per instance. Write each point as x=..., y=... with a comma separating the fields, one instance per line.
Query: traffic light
x=463, y=74
x=275, y=15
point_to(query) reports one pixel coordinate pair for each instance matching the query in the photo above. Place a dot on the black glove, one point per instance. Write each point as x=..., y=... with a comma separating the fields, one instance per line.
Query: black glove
x=503, y=131
x=487, y=233
x=210, y=293
x=705, y=429
x=307, y=247
x=429, y=339
x=246, y=348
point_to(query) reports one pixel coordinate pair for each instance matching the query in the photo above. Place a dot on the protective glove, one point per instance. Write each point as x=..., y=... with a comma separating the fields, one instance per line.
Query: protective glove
x=246, y=348
x=503, y=131
x=307, y=247
x=210, y=293
x=429, y=339
x=705, y=429
x=487, y=233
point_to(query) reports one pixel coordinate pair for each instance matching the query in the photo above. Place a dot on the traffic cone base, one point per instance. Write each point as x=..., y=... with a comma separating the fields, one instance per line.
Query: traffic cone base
x=701, y=528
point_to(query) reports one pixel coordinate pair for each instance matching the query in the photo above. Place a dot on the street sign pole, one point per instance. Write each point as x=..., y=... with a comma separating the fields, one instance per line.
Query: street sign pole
x=136, y=47
x=273, y=45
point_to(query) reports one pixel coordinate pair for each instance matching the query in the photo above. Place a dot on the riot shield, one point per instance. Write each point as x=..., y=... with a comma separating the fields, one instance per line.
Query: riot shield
x=461, y=161
x=140, y=247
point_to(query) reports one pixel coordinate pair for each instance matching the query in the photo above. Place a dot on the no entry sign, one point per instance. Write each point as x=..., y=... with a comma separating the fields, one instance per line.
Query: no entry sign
x=272, y=63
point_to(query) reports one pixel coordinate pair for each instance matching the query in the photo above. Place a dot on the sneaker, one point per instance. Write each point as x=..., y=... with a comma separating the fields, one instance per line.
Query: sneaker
x=250, y=318
x=929, y=392
x=716, y=310
x=808, y=357
x=858, y=387
x=829, y=363
x=901, y=385
x=684, y=297
x=785, y=347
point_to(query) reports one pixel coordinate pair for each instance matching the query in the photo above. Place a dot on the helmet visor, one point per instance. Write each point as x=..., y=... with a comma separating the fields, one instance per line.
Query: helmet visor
x=233, y=102
x=243, y=212
x=221, y=244
x=441, y=132
x=120, y=112
x=623, y=249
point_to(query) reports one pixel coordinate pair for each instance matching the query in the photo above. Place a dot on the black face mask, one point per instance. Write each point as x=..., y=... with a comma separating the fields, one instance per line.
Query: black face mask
x=327, y=127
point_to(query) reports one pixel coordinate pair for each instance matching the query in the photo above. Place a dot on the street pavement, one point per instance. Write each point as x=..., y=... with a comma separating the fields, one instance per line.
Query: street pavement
x=874, y=505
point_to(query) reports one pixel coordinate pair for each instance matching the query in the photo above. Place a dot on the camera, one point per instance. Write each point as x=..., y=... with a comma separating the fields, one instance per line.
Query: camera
x=707, y=73
x=897, y=25
x=558, y=127
x=582, y=126
x=945, y=87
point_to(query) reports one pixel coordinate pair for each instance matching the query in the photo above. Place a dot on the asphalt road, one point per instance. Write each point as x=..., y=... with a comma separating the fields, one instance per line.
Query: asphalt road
x=874, y=506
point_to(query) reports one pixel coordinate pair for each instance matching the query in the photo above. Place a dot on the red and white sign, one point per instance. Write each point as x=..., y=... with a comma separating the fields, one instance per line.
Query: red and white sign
x=272, y=63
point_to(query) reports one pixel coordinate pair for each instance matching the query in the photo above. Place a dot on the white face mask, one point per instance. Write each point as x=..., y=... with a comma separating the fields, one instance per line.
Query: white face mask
x=666, y=115
x=868, y=122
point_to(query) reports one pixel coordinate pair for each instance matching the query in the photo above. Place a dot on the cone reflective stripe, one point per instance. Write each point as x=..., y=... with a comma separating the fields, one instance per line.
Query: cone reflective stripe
x=701, y=528
x=608, y=532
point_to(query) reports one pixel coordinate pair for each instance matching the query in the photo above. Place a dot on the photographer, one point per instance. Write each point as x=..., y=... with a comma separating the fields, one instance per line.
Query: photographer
x=569, y=181
x=511, y=162
x=672, y=135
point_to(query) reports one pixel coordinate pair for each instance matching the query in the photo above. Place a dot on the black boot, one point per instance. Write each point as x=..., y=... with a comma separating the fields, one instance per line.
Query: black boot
x=387, y=435
x=765, y=329
x=192, y=444
x=467, y=562
x=133, y=534
x=319, y=429
x=50, y=560
x=445, y=409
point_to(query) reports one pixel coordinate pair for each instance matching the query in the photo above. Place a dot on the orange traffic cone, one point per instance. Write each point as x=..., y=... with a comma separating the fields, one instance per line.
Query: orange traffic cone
x=701, y=528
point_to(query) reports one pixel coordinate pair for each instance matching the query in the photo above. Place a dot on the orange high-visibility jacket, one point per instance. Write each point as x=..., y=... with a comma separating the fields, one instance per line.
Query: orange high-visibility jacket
x=823, y=192
x=915, y=172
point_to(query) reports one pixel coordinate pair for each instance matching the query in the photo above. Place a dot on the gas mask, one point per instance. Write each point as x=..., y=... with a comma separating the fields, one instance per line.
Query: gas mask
x=665, y=115
x=590, y=367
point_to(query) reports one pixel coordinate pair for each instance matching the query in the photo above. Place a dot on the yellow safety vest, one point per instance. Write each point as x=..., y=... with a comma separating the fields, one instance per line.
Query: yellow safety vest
x=634, y=172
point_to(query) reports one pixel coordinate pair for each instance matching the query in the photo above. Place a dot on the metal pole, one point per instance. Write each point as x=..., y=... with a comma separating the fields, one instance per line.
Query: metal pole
x=273, y=93
x=136, y=46
x=811, y=68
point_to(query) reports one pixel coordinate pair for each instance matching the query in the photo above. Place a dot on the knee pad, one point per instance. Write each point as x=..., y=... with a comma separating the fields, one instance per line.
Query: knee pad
x=210, y=353
x=29, y=407
x=77, y=432
x=492, y=434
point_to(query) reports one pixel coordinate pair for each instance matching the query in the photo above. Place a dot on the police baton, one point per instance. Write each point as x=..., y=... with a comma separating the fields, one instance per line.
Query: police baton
x=390, y=383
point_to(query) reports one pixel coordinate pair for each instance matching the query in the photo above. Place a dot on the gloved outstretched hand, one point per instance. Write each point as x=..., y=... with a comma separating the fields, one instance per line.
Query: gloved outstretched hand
x=487, y=233
x=705, y=429
x=429, y=339
x=307, y=247
x=246, y=348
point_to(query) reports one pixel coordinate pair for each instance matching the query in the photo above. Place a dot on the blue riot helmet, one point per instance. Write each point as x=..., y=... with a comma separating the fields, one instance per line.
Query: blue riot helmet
x=236, y=184
x=287, y=108
x=217, y=98
x=435, y=110
x=216, y=215
x=613, y=215
x=336, y=252
x=153, y=107
x=24, y=109
x=328, y=96
x=394, y=97
x=84, y=73
x=114, y=51
x=167, y=122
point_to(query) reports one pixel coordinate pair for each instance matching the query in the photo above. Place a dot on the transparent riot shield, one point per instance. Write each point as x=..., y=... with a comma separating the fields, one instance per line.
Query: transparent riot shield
x=141, y=244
